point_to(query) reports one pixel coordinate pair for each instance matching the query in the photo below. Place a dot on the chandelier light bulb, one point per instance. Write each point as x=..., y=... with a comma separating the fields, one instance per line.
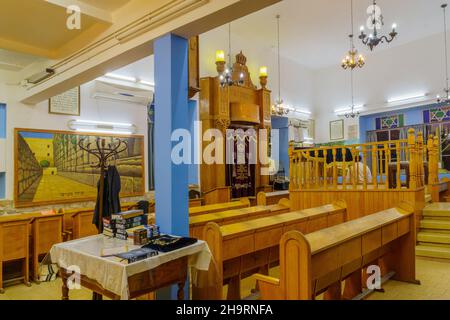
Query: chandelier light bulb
x=394, y=26
x=361, y=29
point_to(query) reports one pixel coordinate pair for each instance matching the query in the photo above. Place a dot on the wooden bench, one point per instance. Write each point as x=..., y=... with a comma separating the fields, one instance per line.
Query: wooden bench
x=197, y=223
x=265, y=199
x=212, y=208
x=315, y=263
x=440, y=192
x=241, y=249
x=14, y=244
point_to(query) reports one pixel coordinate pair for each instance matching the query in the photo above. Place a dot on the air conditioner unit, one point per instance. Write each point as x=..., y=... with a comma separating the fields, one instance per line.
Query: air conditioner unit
x=116, y=92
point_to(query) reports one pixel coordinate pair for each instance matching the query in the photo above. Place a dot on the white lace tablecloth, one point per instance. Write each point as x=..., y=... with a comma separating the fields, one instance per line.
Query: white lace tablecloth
x=112, y=275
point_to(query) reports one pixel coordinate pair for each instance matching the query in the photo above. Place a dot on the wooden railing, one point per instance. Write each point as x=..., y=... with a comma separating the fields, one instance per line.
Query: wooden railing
x=377, y=165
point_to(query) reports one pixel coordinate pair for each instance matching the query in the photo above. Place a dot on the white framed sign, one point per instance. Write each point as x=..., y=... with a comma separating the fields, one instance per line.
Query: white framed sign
x=337, y=130
x=67, y=103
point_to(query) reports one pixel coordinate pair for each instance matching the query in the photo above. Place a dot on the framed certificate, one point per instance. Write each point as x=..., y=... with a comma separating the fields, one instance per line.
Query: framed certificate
x=337, y=130
x=67, y=103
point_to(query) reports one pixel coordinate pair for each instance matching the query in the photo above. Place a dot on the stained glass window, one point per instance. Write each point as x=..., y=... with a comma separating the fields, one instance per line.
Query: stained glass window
x=390, y=122
x=436, y=115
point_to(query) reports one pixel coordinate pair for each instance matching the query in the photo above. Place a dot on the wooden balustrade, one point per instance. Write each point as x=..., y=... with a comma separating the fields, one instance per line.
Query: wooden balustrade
x=368, y=166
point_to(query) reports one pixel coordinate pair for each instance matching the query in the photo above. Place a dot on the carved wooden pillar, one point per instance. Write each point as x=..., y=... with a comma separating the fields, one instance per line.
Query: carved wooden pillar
x=266, y=123
x=194, y=66
x=412, y=159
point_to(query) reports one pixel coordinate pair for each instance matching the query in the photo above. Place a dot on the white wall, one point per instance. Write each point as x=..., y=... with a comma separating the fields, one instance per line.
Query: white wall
x=297, y=80
x=37, y=117
x=416, y=67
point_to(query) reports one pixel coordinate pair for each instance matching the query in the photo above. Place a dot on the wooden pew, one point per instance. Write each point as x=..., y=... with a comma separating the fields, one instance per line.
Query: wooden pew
x=47, y=230
x=14, y=244
x=197, y=223
x=265, y=199
x=212, y=208
x=242, y=248
x=315, y=263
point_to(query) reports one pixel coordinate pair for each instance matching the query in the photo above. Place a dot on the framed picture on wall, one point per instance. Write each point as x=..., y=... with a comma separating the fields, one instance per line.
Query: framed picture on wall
x=51, y=168
x=67, y=103
x=337, y=130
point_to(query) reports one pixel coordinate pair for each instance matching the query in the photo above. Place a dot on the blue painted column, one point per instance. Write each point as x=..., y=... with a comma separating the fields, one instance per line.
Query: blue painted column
x=282, y=124
x=171, y=113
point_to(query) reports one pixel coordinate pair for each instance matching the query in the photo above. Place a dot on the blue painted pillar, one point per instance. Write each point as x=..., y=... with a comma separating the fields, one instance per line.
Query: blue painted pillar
x=282, y=124
x=171, y=113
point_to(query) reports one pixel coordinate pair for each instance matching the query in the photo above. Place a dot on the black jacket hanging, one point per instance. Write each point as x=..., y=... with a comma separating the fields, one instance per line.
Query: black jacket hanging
x=111, y=192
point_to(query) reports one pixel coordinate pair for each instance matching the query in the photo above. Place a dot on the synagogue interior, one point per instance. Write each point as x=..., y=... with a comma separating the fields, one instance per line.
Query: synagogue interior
x=224, y=150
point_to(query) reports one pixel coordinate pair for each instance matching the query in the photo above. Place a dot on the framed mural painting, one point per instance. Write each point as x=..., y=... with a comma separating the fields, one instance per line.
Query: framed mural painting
x=51, y=168
x=337, y=130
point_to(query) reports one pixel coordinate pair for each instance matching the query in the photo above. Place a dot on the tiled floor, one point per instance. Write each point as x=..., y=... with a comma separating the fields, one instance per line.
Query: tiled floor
x=434, y=277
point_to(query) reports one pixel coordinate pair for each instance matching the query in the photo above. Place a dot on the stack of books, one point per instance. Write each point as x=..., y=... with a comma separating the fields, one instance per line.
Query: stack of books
x=125, y=223
x=109, y=228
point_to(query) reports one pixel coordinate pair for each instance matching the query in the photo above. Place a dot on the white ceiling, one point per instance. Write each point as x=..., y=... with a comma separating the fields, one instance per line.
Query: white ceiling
x=15, y=61
x=315, y=33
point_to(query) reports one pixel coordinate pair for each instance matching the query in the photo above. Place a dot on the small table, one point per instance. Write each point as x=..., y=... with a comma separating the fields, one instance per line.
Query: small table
x=106, y=276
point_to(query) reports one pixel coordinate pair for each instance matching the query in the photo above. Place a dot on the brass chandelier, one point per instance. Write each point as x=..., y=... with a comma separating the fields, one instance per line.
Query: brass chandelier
x=353, y=59
x=278, y=109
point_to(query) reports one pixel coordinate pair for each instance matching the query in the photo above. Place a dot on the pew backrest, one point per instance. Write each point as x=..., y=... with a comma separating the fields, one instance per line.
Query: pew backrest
x=242, y=247
x=312, y=262
x=218, y=207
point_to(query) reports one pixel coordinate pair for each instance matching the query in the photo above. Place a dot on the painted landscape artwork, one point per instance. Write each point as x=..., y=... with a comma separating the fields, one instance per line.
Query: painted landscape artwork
x=50, y=167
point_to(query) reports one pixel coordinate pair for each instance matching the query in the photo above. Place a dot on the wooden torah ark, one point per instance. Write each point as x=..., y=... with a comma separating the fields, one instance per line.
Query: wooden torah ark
x=237, y=106
x=317, y=262
x=241, y=249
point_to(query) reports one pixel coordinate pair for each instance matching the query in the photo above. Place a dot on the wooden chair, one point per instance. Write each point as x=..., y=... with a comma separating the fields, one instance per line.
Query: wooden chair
x=318, y=262
x=241, y=249
x=78, y=223
x=46, y=232
x=14, y=244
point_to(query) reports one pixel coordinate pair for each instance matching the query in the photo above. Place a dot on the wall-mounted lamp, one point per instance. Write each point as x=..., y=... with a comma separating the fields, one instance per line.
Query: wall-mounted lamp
x=263, y=75
x=102, y=127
